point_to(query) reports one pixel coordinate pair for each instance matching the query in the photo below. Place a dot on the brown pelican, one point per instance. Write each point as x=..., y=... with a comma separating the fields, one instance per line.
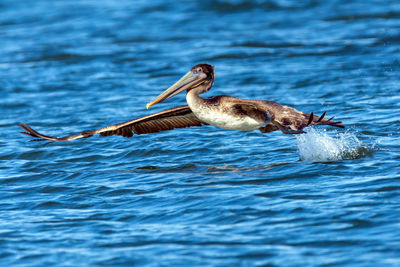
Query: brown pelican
x=222, y=111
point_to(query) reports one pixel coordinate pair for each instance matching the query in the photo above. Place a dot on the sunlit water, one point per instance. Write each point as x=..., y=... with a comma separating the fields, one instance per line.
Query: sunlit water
x=199, y=196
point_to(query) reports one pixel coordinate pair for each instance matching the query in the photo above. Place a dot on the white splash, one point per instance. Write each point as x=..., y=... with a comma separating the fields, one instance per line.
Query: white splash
x=317, y=145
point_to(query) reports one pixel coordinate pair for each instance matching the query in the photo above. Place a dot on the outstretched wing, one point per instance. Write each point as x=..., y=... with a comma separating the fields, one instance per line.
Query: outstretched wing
x=282, y=117
x=178, y=117
x=296, y=120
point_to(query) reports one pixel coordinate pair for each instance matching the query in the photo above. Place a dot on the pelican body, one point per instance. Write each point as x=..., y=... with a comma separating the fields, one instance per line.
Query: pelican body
x=235, y=113
x=221, y=111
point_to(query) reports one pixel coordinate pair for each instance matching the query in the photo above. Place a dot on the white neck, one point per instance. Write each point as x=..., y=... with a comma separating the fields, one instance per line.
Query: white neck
x=194, y=100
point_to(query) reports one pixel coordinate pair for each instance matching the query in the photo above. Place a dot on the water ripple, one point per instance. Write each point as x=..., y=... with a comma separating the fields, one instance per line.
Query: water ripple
x=201, y=195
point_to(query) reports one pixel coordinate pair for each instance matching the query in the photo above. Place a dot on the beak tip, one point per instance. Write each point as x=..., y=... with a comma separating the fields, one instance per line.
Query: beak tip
x=148, y=105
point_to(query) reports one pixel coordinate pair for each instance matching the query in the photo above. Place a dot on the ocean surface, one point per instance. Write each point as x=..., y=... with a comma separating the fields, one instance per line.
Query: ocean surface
x=200, y=196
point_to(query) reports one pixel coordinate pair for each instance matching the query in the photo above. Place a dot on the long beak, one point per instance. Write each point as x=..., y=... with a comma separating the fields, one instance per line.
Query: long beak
x=184, y=83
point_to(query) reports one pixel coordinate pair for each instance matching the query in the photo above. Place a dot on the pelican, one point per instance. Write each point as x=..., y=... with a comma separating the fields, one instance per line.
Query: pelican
x=221, y=111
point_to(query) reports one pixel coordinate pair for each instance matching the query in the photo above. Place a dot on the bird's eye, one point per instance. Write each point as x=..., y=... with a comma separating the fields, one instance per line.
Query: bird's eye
x=199, y=69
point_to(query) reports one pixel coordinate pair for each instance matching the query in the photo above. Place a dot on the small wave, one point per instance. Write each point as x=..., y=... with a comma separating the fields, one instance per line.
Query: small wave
x=317, y=145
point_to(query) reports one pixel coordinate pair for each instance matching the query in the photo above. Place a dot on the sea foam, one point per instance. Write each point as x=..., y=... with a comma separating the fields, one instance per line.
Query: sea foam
x=320, y=145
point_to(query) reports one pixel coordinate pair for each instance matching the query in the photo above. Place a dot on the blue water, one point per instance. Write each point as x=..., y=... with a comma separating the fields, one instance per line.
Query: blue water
x=201, y=196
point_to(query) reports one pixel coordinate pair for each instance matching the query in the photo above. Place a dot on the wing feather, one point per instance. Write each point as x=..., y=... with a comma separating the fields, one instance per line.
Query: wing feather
x=295, y=119
x=284, y=115
x=178, y=117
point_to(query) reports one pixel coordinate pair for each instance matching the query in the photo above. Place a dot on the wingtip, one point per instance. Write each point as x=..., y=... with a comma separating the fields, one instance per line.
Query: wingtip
x=28, y=130
x=340, y=125
x=23, y=126
x=322, y=117
x=25, y=133
x=311, y=118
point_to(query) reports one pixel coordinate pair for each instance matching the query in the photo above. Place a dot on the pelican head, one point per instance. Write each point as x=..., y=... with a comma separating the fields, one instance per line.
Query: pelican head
x=200, y=77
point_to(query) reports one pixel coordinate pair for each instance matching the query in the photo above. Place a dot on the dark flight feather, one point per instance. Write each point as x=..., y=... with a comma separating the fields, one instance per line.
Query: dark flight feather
x=178, y=117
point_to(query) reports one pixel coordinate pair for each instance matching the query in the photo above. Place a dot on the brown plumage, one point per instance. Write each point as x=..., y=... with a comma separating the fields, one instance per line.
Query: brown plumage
x=178, y=117
x=222, y=111
x=286, y=116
